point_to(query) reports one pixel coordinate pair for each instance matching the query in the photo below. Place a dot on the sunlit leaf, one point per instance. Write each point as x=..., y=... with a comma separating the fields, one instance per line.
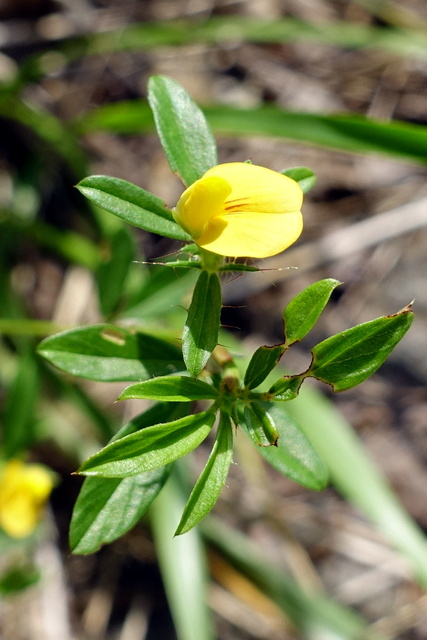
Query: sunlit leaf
x=184, y=133
x=303, y=311
x=348, y=358
x=212, y=479
x=151, y=448
x=107, y=353
x=351, y=133
x=293, y=456
x=170, y=389
x=200, y=335
x=107, y=508
x=132, y=204
x=261, y=364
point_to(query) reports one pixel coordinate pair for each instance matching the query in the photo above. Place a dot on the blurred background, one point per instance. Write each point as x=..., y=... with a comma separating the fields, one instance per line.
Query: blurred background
x=284, y=83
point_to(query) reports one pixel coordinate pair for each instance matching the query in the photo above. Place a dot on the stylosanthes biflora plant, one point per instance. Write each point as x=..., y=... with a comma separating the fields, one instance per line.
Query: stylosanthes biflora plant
x=226, y=211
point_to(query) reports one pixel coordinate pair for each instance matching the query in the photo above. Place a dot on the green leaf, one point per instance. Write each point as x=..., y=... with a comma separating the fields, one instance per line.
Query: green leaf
x=303, y=311
x=112, y=272
x=108, y=353
x=161, y=293
x=293, y=456
x=200, y=335
x=260, y=426
x=151, y=448
x=238, y=266
x=183, y=564
x=356, y=476
x=18, y=428
x=314, y=615
x=71, y=246
x=56, y=136
x=170, y=389
x=304, y=176
x=348, y=358
x=261, y=364
x=17, y=578
x=132, y=204
x=286, y=388
x=184, y=133
x=212, y=479
x=179, y=264
x=107, y=508
x=229, y=29
x=351, y=133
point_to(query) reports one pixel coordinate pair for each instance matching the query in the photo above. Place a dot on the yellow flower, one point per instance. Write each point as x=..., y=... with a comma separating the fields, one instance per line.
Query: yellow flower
x=24, y=489
x=242, y=210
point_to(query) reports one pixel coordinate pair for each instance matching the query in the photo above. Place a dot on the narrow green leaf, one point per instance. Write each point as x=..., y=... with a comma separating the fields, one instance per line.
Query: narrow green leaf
x=113, y=270
x=303, y=311
x=54, y=133
x=349, y=132
x=200, y=335
x=132, y=204
x=261, y=364
x=18, y=429
x=208, y=487
x=314, y=615
x=229, y=29
x=184, y=133
x=304, y=176
x=238, y=266
x=107, y=508
x=170, y=389
x=151, y=448
x=70, y=245
x=108, y=353
x=356, y=476
x=260, y=426
x=161, y=293
x=348, y=358
x=183, y=564
x=293, y=456
x=179, y=264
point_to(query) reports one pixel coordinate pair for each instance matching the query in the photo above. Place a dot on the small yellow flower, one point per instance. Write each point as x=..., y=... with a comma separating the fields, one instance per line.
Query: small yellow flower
x=242, y=210
x=24, y=489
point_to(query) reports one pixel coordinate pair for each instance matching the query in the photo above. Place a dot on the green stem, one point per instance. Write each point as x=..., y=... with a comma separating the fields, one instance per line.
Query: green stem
x=211, y=262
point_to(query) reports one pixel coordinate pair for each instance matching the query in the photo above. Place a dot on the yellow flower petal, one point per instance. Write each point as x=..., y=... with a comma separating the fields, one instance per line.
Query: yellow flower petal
x=252, y=235
x=24, y=490
x=201, y=202
x=242, y=210
x=269, y=190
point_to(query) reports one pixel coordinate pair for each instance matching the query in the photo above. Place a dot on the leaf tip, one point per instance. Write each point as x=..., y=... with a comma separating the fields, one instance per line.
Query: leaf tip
x=408, y=308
